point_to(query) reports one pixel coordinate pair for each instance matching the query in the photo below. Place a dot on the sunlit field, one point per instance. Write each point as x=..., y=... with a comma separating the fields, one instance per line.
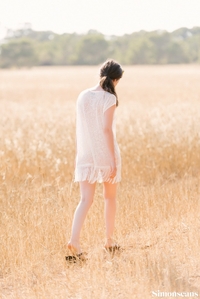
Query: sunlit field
x=158, y=216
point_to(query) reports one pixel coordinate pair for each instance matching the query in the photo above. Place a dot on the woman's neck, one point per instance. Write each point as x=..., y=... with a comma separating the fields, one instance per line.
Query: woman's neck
x=97, y=88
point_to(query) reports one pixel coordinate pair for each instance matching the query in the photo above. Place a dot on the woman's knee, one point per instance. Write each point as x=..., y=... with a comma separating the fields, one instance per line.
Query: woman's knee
x=86, y=200
x=87, y=192
x=110, y=198
x=109, y=191
x=109, y=195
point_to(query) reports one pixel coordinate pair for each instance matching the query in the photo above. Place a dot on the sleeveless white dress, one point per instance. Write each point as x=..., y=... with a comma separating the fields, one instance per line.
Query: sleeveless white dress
x=92, y=158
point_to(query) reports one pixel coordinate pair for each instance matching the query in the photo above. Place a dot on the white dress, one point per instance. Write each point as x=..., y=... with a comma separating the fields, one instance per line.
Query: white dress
x=92, y=159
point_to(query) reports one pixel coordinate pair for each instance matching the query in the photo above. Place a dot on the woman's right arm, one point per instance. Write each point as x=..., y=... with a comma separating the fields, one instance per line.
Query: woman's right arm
x=108, y=133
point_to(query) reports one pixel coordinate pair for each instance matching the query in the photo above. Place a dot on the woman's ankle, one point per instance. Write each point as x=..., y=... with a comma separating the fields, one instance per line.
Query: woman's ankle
x=74, y=246
x=109, y=242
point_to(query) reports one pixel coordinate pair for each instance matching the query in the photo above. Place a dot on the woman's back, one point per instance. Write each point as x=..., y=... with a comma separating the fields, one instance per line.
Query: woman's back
x=92, y=150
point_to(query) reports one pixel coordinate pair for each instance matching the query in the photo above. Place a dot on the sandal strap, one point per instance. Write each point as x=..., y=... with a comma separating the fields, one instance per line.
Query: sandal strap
x=76, y=257
x=113, y=248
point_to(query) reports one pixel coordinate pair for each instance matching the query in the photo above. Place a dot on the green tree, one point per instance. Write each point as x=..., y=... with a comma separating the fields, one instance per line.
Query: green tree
x=18, y=53
x=26, y=47
x=92, y=49
x=67, y=48
x=176, y=53
x=141, y=51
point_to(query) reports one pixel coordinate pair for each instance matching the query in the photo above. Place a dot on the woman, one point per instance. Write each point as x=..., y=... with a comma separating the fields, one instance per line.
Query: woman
x=98, y=155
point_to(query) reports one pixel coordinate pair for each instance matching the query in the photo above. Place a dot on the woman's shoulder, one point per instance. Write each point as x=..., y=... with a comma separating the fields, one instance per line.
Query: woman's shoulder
x=83, y=93
x=102, y=93
x=110, y=97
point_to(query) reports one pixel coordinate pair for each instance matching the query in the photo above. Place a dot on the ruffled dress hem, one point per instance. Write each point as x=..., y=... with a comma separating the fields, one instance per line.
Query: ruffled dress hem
x=94, y=174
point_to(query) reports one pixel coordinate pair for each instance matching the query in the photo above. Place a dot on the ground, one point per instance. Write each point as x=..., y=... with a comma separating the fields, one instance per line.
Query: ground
x=158, y=218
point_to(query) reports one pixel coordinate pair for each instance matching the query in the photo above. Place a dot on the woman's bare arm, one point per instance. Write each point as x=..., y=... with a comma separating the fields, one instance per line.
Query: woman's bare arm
x=108, y=132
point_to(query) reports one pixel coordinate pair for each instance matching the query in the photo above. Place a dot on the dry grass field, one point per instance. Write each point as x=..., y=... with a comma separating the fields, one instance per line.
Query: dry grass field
x=158, y=216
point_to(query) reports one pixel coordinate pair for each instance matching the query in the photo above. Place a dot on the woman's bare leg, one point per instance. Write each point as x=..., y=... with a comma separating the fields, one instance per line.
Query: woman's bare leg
x=110, y=194
x=87, y=194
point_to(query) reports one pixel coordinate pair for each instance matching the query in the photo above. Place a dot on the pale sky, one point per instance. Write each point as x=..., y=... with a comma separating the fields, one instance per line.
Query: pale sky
x=107, y=16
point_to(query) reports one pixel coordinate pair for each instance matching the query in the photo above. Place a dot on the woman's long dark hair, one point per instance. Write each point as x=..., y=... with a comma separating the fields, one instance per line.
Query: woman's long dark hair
x=109, y=71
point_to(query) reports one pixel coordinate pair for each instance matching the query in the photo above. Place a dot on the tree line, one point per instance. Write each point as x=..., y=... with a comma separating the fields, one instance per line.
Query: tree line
x=26, y=48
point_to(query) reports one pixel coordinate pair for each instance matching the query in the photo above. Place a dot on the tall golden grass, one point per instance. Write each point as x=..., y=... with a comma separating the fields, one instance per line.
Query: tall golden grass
x=158, y=216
